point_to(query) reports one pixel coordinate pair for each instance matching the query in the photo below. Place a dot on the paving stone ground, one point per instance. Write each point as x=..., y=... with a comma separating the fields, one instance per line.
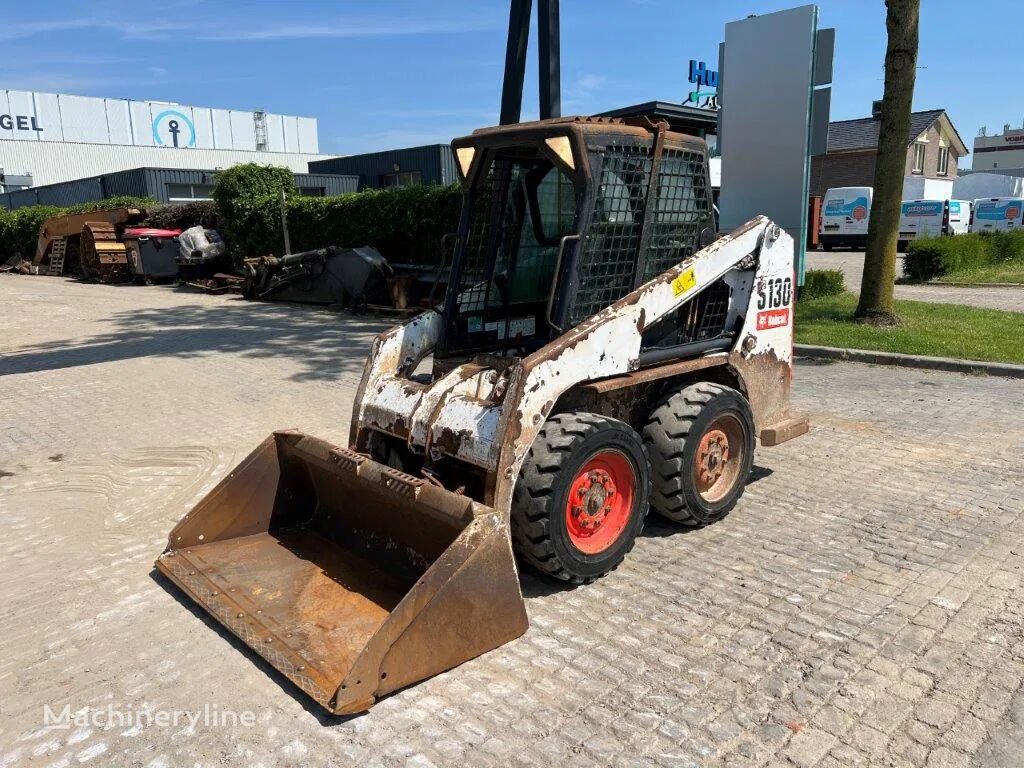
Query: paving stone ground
x=852, y=265
x=863, y=605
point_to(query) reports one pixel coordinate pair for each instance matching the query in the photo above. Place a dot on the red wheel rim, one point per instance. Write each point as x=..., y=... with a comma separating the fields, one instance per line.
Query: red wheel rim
x=600, y=502
x=718, y=459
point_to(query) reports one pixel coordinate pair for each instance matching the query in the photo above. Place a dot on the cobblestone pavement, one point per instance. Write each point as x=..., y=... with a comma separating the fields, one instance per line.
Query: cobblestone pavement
x=852, y=265
x=863, y=605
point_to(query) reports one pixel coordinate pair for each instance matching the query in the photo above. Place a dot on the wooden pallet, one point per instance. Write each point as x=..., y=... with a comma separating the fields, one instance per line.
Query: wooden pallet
x=60, y=245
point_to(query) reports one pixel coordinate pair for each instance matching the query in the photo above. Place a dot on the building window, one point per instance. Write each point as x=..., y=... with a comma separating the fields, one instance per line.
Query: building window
x=189, y=193
x=918, y=166
x=943, y=161
x=403, y=179
x=312, y=191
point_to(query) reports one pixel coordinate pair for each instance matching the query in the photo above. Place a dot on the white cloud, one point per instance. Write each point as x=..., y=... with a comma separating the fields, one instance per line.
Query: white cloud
x=590, y=83
x=209, y=31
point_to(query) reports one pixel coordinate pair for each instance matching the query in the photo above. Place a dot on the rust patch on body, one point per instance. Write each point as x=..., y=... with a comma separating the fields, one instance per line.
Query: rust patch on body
x=767, y=381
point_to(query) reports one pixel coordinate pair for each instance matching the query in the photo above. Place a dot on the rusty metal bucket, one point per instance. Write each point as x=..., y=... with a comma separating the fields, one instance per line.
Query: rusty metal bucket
x=351, y=578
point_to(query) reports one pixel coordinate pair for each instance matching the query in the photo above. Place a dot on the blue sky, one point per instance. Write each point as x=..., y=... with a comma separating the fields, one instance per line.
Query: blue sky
x=400, y=72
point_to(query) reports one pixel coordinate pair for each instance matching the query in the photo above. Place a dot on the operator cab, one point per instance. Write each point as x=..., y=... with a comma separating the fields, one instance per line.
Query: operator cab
x=555, y=226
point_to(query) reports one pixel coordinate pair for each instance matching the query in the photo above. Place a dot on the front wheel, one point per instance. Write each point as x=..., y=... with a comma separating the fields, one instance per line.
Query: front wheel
x=701, y=444
x=581, y=497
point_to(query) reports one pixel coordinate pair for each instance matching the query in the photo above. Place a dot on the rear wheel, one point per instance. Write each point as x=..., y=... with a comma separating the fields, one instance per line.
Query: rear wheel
x=581, y=497
x=701, y=444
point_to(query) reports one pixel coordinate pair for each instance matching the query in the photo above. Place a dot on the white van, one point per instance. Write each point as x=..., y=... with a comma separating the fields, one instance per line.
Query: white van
x=933, y=218
x=997, y=214
x=844, y=217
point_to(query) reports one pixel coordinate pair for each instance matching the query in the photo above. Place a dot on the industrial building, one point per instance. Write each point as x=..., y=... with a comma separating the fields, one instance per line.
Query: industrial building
x=165, y=185
x=431, y=164
x=48, y=138
x=999, y=151
x=435, y=164
x=693, y=121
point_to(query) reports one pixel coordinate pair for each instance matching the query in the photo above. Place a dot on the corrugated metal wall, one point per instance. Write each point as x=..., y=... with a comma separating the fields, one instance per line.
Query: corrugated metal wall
x=150, y=182
x=53, y=162
x=71, y=193
x=86, y=119
x=332, y=184
x=126, y=183
x=434, y=162
x=449, y=171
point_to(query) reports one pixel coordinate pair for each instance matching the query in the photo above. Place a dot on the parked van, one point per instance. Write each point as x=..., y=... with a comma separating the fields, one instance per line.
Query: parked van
x=844, y=217
x=997, y=214
x=933, y=218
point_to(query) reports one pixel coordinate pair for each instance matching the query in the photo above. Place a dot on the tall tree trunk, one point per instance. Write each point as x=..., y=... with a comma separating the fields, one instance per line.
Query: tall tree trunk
x=876, y=289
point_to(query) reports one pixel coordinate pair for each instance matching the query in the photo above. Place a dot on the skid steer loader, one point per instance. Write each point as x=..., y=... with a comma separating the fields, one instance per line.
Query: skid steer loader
x=599, y=351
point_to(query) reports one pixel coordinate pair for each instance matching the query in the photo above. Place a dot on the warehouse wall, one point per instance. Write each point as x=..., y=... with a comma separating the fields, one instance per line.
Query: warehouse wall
x=50, y=162
x=435, y=163
x=85, y=119
x=153, y=182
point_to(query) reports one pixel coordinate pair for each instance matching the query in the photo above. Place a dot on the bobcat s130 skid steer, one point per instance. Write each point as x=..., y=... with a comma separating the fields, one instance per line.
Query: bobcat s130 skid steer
x=600, y=351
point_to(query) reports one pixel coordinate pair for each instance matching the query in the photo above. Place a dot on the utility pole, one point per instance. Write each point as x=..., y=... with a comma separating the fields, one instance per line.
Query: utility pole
x=878, y=283
x=284, y=224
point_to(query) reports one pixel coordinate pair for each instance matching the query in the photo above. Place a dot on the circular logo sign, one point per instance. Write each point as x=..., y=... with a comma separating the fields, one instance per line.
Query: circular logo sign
x=172, y=128
x=1012, y=212
x=860, y=213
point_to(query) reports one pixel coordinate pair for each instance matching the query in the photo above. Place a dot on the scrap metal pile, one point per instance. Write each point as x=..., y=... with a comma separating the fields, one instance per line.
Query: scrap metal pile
x=353, y=278
x=116, y=246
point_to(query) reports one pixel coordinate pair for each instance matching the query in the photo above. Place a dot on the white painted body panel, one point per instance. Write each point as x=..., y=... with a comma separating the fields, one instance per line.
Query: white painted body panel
x=461, y=415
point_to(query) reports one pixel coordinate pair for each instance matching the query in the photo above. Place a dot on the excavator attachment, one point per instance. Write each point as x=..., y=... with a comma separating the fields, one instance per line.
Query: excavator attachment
x=351, y=578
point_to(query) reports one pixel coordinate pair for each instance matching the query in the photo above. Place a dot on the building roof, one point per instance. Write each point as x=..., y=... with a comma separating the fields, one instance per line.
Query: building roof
x=680, y=117
x=862, y=133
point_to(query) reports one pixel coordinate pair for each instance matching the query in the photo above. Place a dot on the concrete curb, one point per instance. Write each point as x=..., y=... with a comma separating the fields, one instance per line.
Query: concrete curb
x=1009, y=370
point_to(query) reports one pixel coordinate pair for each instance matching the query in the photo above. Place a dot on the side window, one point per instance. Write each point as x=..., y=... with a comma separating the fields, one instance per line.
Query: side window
x=918, y=166
x=608, y=253
x=555, y=203
x=681, y=210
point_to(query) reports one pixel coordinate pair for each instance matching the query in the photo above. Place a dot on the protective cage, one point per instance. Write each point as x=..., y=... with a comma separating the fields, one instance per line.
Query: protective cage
x=630, y=202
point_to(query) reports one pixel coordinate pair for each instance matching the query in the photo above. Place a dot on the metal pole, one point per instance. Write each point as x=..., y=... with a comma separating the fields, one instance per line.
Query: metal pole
x=284, y=224
x=515, y=61
x=549, y=59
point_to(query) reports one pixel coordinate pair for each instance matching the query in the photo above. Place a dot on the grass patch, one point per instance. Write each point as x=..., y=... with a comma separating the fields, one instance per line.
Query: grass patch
x=936, y=330
x=1006, y=272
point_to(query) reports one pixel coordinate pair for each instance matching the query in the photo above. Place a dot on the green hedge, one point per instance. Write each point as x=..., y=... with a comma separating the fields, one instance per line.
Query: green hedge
x=406, y=224
x=822, y=282
x=19, y=230
x=241, y=192
x=932, y=257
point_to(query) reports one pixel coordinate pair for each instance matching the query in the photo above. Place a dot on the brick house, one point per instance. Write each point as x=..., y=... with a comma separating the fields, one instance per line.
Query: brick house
x=932, y=153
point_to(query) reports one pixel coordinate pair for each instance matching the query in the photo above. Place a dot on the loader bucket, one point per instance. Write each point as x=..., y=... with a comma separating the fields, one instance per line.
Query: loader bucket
x=351, y=578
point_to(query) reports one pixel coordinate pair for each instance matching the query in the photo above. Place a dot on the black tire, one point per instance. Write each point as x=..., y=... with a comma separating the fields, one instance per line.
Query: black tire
x=673, y=437
x=540, y=531
x=826, y=246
